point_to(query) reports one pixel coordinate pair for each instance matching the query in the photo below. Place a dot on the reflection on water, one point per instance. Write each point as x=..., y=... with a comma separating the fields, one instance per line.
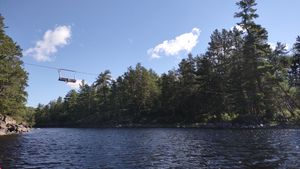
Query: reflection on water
x=151, y=148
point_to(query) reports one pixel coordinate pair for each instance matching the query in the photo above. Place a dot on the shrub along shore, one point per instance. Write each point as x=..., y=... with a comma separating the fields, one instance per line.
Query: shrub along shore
x=214, y=125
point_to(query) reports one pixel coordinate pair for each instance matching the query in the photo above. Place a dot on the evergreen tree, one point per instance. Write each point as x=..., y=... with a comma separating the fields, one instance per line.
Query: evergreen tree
x=71, y=105
x=103, y=86
x=13, y=78
x=169, y=85
x=141, y=90
x=255, y=64
x=219, y=55
x=236, y=99
x=85, y=108
x=206, y=91
x=187, y=88
x=295, y=67
x=294, y=74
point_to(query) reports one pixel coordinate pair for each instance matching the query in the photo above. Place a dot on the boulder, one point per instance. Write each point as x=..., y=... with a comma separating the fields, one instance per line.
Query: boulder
x=2, y=124
x=12, y=127
x=2, y=132
x=22, y=128
x=9, y=126
x=1, y=117
x=9, y=120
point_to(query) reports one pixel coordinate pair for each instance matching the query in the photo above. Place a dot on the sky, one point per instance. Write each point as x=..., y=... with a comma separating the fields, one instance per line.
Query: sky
x=92, y=36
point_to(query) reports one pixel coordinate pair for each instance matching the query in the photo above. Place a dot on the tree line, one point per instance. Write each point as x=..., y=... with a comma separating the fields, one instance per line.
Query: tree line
x=239, y=79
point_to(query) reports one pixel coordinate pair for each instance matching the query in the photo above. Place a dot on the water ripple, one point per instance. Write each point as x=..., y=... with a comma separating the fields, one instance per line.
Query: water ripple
x=151, y=148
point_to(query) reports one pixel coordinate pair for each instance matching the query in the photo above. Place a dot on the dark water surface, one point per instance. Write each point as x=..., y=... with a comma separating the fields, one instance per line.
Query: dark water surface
x=151, y=148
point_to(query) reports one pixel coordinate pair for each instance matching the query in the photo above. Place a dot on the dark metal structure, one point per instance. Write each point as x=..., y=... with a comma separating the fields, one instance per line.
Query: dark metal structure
x=64, y=78
x=65, y=75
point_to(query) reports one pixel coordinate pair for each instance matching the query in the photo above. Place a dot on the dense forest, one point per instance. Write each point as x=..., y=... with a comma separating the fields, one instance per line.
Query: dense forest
x=13, y=79
x=239, y=79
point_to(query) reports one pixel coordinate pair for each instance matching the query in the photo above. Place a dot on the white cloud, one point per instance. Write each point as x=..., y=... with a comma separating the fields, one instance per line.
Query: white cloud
x=273, y=46
x=75, y=85
x=239, y=28
x=287, y=46
x=182, y=43
x=52, y=39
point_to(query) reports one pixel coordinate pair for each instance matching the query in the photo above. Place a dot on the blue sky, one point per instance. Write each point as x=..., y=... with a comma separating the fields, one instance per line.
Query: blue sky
x=93, y=35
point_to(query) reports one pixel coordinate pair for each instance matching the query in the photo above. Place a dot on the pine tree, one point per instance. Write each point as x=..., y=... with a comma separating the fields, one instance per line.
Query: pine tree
x=220, y=55
x=103, y=86
x=169, y=84
x=13, y=78
x=140, y=91
x=295, y=67
x=236, y=99
x=294, y=74
x=186, y=96
x=255, y=64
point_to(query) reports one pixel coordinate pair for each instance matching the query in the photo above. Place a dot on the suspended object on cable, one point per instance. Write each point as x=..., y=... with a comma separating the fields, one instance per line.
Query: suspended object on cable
x=66, y=75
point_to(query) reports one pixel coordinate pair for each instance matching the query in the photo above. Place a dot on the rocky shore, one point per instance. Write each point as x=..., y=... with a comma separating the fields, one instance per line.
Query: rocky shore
x=9, y=126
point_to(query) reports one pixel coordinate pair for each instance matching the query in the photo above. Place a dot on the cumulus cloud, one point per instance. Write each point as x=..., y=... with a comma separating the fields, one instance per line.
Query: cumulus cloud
x=182, y=43
x=52, y=40
x=75, y=85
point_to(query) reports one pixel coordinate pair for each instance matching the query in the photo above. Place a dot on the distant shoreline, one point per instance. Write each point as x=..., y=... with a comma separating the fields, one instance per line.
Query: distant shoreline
x=195, y=126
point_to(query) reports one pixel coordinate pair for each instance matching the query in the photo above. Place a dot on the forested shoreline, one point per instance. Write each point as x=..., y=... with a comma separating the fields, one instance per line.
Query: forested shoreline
x=240, y=79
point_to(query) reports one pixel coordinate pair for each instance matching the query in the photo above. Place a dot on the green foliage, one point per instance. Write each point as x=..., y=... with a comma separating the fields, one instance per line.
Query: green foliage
x=13, y=78
x=228, y=117
x=294, y=73
x=29, y=116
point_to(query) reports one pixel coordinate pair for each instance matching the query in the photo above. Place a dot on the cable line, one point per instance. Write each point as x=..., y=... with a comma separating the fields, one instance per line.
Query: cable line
x=60, y=71
x=57, y=68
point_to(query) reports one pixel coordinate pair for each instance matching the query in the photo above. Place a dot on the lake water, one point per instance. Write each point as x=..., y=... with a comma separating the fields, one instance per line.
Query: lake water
x=151, y=148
